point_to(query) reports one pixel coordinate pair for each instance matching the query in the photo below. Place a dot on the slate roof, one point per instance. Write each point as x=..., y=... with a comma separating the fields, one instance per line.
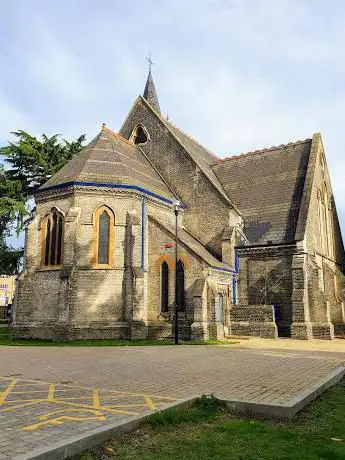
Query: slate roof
x=202, y=157
x=111, y=159
x=193, y=244
x=267, y=186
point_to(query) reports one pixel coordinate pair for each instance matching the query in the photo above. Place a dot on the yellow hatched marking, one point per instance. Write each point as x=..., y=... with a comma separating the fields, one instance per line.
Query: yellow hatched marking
x=149, y=402
x=28, y=391
x=96, y=400
x=12, y=408
x=74, y=398
x=4, y=394
x=106, y=390
x=23, y=400
x=60, y=420
x=51, y=391
x=104, y=408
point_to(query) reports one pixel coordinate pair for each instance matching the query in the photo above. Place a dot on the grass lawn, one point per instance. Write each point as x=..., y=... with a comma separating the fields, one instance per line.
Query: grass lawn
x=7, y=340
x=209, y=432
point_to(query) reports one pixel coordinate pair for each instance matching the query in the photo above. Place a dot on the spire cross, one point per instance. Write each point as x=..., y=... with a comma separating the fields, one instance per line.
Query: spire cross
x=151, y=63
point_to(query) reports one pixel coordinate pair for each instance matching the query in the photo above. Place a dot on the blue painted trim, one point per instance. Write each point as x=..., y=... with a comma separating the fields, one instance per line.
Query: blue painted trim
x=143, y=218
x=234, y=278
x=117, y=186
x=237, y=261
x=227, y=270
x=234, y=288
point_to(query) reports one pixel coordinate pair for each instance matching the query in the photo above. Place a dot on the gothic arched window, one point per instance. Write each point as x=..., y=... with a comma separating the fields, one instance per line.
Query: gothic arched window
x=139, y=135
x=52, y=242
x=103, y=237
x=165, y=287
x=180, y=289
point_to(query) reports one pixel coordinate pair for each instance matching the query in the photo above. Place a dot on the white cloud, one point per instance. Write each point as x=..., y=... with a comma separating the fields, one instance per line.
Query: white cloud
x=236, y=74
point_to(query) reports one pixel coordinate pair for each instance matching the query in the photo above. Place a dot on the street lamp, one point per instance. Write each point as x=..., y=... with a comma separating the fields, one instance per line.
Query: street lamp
x=176, y=209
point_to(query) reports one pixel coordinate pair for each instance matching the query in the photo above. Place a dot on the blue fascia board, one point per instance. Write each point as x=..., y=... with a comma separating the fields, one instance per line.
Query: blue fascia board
x=105, y=185
x=227, y=270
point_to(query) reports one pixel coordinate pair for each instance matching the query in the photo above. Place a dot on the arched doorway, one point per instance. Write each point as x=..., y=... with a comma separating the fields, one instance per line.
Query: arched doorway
x=180, y=289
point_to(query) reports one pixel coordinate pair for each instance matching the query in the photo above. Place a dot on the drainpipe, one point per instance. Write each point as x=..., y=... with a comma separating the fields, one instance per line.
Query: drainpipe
x=143, y=218
x=234, y=277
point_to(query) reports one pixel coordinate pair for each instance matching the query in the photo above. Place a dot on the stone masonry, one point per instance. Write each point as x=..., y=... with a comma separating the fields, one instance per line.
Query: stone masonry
x=259, y=240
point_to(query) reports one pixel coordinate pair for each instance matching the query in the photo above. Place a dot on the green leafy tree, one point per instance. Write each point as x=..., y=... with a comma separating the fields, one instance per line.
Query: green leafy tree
x=31, y=163
x=12, y=212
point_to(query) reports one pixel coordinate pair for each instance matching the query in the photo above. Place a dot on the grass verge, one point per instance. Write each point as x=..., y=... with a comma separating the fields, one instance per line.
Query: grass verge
x=207, y=431
x=7, y=340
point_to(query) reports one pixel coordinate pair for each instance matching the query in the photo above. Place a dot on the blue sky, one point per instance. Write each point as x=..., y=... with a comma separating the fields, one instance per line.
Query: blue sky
x=236, y=74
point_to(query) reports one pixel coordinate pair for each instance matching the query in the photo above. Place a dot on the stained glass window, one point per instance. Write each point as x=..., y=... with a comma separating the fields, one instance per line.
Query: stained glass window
x=103, y=238
x=165, y=287
x=180, y=291
x=53, y=238
x=47, y=243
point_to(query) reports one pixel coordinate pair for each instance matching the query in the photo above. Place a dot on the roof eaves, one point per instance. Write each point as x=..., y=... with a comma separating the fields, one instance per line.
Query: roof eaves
x=221, y=264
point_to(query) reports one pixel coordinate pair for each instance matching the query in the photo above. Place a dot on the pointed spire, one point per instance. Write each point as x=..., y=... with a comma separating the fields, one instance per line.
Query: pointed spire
x=150, y=92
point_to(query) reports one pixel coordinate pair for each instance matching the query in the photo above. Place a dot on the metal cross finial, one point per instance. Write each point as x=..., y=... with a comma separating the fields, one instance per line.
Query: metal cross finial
x=151, y=63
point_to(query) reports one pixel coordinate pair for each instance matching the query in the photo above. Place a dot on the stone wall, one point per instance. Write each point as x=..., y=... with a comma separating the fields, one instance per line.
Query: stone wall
x=184, y=177
x=325, y=252
x=253, y=320
x=265, y=278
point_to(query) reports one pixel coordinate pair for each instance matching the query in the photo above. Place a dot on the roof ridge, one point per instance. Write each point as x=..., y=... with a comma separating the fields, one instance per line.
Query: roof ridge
x=117, y=135
x=264, y=150
x=191, y=137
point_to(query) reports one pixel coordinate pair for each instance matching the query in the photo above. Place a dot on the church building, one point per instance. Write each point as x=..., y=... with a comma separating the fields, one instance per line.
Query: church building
x=259, y=251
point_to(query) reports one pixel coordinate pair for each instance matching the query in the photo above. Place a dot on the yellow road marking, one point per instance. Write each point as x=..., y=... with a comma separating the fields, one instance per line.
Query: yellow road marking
x=90, y=397
x=28, y=391
x=103, y=408
x=106, y=390
x=96, y=400
x=11, y=409
x=149, y=402
x=60, y=420
x=51, y=392
x=4, y=394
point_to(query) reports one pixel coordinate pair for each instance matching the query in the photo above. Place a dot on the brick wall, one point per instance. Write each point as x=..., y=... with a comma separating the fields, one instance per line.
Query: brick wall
x=179, y=171
x=255, y=320
x=265, y=278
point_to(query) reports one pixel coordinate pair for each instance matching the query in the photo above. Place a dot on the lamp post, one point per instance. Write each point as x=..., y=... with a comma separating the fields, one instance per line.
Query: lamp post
x=176, y=209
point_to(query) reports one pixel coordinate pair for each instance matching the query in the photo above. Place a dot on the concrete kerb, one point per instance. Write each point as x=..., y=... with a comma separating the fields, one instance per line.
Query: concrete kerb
x=289, y=410
x=301, y=400
x=72, y=446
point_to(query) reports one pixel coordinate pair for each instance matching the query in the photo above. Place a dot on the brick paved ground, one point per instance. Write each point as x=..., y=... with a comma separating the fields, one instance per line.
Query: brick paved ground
x=50, y=393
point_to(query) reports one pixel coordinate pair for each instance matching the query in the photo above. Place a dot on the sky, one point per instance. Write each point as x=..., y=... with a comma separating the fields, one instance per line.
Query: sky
x=238, y=75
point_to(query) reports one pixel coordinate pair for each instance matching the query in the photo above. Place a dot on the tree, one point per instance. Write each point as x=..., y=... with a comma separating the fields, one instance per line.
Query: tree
x=12, y=210
x=31, y=163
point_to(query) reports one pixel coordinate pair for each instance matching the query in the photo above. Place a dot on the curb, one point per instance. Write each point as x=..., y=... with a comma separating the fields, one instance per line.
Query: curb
x=77, y=444
x=289, y=410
